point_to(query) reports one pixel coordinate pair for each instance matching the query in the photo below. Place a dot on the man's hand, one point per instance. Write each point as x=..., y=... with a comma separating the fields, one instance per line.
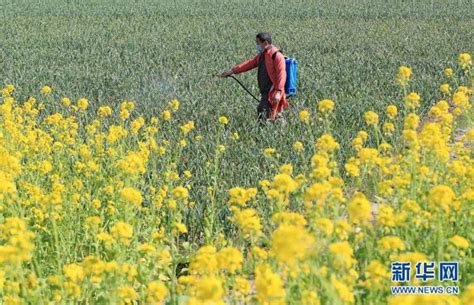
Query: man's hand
x=276, y=97
x=225, y=73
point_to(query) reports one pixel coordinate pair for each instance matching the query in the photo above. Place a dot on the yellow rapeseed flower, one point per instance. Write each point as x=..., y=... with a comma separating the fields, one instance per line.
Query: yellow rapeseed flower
x=82, y=104
x=371, y=118
x=156, y=292
x=445, y=88
x=326, y=106
x=392, y=111
x=207, y=290
x=166, y=115
x=46, y=90
x=223, y=120
x=284, y=183
x=304, y=116
x=459, y=242
x=66, y=101
x=360, y=209
x=180, y=192
x=412, y=101
x=230, y=259
x=174, y=104
x=326, y=143
x=291, y=243
x=441, y=197
x=298, y=146
x=205, y=260
x=122, y=231
x=403, y=75
x=74, y=272
x=448, y=72
x=343, y=291
x=391, y=243
x=268, y=152
x=104, y=111
x=269, y=286
x=240, y=196
x=131, y=195
x=249, y=222
x=465, y=61
x=127, y=294
x=342, y=252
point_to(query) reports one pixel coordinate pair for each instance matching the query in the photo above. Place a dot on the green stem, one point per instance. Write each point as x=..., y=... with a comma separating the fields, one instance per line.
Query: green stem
x=56, y=243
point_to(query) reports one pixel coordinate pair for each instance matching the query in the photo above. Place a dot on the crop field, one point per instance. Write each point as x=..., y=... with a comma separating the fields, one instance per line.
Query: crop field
x=131, y=174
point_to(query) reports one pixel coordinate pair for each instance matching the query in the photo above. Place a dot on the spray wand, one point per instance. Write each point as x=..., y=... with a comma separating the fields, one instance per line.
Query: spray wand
x=208, y=75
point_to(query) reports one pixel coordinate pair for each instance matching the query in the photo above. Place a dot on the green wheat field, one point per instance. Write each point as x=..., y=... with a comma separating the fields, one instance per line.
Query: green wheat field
x=131, y=174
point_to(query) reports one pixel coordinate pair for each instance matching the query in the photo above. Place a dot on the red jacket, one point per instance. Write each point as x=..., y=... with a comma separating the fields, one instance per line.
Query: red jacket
x=276, y=70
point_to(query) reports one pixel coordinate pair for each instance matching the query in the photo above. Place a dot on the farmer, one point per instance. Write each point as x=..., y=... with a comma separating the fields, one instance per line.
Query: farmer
x=271, y=78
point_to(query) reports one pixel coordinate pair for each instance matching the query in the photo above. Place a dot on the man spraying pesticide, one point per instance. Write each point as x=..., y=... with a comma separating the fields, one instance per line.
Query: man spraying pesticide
x=276, y=78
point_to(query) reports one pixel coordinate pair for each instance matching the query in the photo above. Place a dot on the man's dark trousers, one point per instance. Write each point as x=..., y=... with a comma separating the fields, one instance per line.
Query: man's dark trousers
x=263, y=108
x=264, y=84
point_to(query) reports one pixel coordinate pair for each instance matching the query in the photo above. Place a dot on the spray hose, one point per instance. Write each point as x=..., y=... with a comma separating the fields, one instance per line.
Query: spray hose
x=245, y=88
